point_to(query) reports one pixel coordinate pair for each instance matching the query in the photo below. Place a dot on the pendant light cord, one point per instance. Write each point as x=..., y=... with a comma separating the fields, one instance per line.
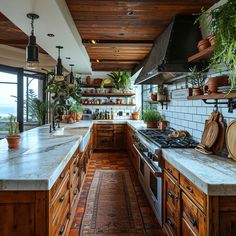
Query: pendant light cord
x=32, y=26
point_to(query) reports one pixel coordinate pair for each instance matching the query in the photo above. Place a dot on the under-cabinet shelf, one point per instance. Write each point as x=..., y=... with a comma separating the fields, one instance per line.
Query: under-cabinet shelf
x=109, y=105
x=201, y=55
x=213, y=96
x=107, y=94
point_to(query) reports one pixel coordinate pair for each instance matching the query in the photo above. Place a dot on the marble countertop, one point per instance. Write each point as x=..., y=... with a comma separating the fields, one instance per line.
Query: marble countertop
x=212, y=174
x=40, y=158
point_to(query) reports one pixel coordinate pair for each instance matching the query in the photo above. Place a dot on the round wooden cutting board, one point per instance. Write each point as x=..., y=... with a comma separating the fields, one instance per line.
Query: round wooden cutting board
x=231, y=139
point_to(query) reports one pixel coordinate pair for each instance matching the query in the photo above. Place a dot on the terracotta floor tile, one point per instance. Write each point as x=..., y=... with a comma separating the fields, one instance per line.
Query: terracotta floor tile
x=115, y=161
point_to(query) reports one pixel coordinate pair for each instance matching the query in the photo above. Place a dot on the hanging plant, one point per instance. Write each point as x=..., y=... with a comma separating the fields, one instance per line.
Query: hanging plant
x=223, y=26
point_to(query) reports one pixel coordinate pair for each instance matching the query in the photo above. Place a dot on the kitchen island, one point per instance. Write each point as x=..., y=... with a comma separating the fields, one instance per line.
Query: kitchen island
x=42, y=181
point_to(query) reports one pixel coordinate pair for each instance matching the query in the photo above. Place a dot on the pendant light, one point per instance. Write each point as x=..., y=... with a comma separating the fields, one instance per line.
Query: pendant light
x=59, y=76
x=32, y=50
x=71, y=79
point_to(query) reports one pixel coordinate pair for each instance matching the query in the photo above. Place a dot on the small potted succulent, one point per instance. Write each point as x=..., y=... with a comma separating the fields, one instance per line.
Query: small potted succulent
x=162, y=93
x=197, y=80
x=151, y=117
x=13, y=137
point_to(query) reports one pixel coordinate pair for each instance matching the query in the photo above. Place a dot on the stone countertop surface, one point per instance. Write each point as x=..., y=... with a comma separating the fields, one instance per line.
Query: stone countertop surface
x=214, y=175
x=42, y=156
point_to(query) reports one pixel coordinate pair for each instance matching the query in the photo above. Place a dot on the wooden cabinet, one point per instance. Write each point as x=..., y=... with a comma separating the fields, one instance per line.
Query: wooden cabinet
x=45, y=213
x=187, y=211
x=109, y=136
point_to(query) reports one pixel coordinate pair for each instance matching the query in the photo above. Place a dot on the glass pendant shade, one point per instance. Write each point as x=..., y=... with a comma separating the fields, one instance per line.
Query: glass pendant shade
x=32, y=50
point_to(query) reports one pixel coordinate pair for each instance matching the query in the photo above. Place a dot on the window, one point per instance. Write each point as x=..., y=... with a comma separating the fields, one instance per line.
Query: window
x=147, y=90
x=8, y=99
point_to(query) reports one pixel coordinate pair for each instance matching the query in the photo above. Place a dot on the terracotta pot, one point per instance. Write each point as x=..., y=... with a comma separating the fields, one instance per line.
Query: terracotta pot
x=211, y=39
x=203, y=44
x=135, y=116
x=162, y=125
x=73, y=115
x=79, y=116
x=161, y=97
x=13, y=141
x=88, y=80
x=154, y=97
x=197, y=91
x=215, y=82
x=152, y=124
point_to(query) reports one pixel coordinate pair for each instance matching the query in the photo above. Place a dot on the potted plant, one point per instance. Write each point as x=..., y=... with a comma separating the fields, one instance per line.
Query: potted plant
x=13, y=137
x=39, y=109
x=135, y=114
x=221, y=23
x=154, y=96
x=196, y=79
x=76, y=111
x=125, y=81
x=162, y=93
x=151, y=117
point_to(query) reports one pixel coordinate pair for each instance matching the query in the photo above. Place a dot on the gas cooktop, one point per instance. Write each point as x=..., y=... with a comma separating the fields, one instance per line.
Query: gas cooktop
x=163, y=140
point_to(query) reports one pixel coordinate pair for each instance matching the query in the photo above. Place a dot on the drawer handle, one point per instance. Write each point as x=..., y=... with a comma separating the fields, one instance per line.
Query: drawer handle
x=170, y=194
x=193, y=222
x=62, y=198
x=189, y=189
x=76, y=191
x=76, y=169
x=68, y=215
x=106, y=127
x=169, y=222
x=62, y=229
x=169, y=170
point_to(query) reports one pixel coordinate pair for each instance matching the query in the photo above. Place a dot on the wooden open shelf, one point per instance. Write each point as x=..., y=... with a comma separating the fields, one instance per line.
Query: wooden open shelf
x=107, y=94
x=201, y=55
x=95, y=86
x=118, y=105
x=213, y=96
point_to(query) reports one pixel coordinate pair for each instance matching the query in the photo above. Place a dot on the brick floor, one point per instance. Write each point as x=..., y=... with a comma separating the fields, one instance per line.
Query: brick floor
x=115, y=161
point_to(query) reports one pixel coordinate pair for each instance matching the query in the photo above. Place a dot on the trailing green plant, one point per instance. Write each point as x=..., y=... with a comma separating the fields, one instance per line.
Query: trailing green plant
x=62, y=91
x=39, y=109
x=151, y=116
x=196, y=78
x=76, y=108
x=222, y=23
x=13, y=126
x=162, y=90
x=125, y=80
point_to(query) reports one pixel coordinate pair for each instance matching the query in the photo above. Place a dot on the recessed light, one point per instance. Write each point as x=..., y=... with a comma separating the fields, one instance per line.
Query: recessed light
x=93, y=41
x=97, y=60
x=68, y=58
x=130, y=13
x=50, y=35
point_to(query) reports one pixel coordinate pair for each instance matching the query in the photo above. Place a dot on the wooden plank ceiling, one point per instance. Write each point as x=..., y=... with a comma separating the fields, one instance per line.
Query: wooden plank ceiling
x=11, y=35
x=124, y=30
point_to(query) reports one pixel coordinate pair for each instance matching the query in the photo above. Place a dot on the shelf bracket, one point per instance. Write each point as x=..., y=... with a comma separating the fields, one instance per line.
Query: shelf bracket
x=231, y=103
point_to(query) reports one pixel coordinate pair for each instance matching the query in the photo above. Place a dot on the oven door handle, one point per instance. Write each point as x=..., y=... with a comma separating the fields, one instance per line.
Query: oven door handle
x=155, y=172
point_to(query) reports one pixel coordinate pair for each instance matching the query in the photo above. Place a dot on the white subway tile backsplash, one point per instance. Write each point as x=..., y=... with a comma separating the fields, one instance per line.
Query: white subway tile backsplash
x=201, y=111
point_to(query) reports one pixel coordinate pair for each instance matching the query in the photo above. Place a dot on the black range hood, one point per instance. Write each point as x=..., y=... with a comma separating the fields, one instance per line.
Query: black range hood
x=168, y=56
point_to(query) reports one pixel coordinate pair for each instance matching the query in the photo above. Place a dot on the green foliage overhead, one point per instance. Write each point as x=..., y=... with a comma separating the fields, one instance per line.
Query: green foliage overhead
x=118, y=79
x=223, y=26
x=152, y=116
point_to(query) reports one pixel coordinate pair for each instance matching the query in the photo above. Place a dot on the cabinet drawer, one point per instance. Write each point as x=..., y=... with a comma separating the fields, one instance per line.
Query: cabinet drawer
x=60, y=199
x=104, y=142
x=104, y=127
x=105, y=133
x=172, y=193
x=59, y=182
x=170, y=223
x=61, y=222
x=171, y=170
x=193, y=216
x=119, y=128
x=186, y=230
x=193, y=192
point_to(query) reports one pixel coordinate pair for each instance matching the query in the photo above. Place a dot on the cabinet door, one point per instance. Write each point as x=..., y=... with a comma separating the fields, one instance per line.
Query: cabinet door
x=119, y=141
x=228, y=223
x=186, y=230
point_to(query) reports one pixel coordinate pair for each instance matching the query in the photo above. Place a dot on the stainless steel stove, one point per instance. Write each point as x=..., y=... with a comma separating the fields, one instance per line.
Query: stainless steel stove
x=148, y=144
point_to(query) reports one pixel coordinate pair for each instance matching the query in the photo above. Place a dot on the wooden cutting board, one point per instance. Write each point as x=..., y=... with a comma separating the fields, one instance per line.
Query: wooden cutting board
x=210, y=132
x=219, y=144
x=231, y=139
